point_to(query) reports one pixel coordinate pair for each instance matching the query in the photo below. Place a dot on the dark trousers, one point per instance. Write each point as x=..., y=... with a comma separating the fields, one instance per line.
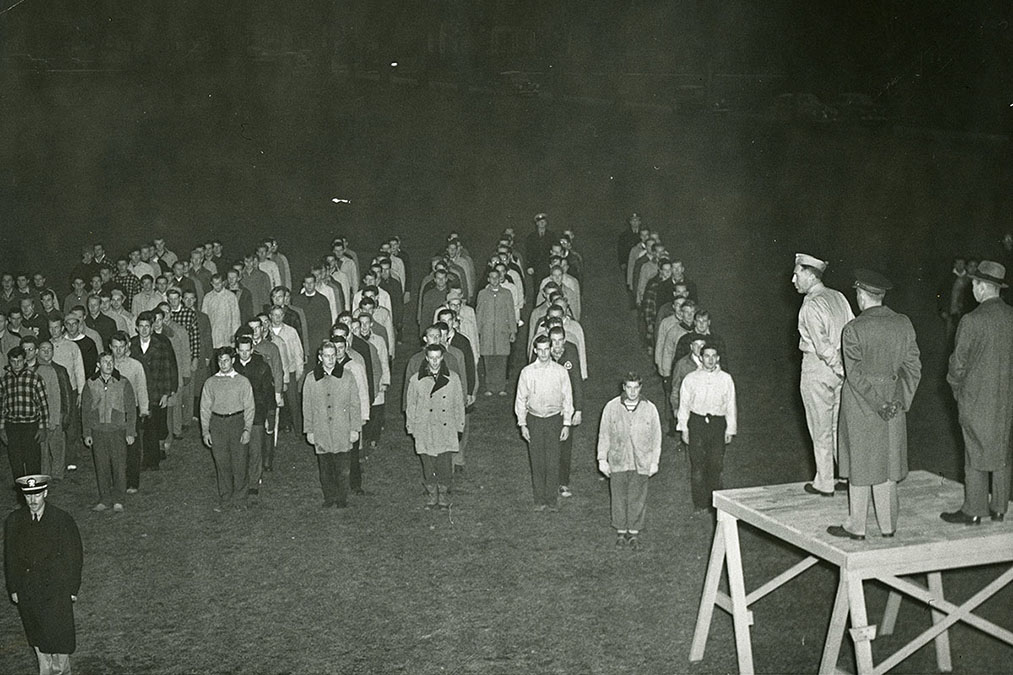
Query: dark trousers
x=543, y=451
x=706, y=456
x=293, y=407
x=110, y=450
x=495, y=373
x=153, y=430
x=230, y=457
x=334, y=477
x=437, y=470
x=259, y=439
x=355, y=467
x=75, y=443
x=374, y=425
x=979, y=500
x=565, y=457
x=23, y=449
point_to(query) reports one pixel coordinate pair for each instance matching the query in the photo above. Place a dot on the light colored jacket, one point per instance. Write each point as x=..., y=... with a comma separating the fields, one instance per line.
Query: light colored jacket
x=630, y=441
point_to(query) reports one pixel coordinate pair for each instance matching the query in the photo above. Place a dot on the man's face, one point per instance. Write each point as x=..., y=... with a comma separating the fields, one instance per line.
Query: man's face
x=385, y=271
x=144, y=329
x=46, y=352
x=701, y=323
x=106, y=365
x=119, y=349
x=455, y=305
x=665, y=272
x=17, y=363
x=540, y=226
x=257, y=329
x=39, y=280
x=31, y=352
x=631, y=390
x=233, y=277
x=245, y=350
x=960, y=264
x=277, y=316
x=178, y=269
x=434, y=358
x=687, y=314
x=216, y=249
x=189, y=299
x=116, y=300
x=709, y=357
x=494, y=279
x=557, y=275
x=557, y=342
x=432, y=336
x=208, y=249
x=680, y=291
x=802, y=279
x=197, y=257
x=72, y=324
x=543, y=350
x=147, y=284
x=56, y=328
x=441, y=280
x=22, y=282
x=145, y=253
x=365, y=325
x=453, y=249
x=94, y=305
x=121, y=267
x=217, y=284
x=695, y=346
x=105, y=274
x=135, y=257
x=36, y=501
x=7, y=282
x=309, y=284
x=262, y=253
x=225, y=363
x=104, y=304
x=175, y=301
x=15, y=320
x=162, y=284
x=78, y=285
x=158, y=323
x=678, y=269
x=328, y=357
x=340, y=349
x=27, y=308
x=159, y=245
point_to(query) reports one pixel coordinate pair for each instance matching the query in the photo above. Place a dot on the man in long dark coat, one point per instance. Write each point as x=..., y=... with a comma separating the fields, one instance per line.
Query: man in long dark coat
x=882, y=371
x=981, y=375
x=42, y=564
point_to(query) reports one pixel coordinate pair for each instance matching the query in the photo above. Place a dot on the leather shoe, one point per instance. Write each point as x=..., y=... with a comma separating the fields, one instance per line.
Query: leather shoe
x=839, y=531
x=841, y=486
x=997, y=517
x=808, y=487
x=888, y=535
x=960, y=518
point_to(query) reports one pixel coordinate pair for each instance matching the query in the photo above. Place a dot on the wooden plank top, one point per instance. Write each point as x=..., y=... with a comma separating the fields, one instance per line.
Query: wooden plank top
x=923, y=542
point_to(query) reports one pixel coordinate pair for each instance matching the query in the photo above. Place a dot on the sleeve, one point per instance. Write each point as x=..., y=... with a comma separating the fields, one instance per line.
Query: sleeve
x=308, y=422
x=813, y=317
x=142, y=392
x=355, y=420
x=604, y=432
x=459, y=411
x=73, y=554
x=957, y=371
x=409, y=403
x=173, y=381
x=11, y=534
x=576, y=389
x=249, y=404
x=65, y=398
x=521, y=399
x=656, y=435
x=564, y=382
x=911, y=369
x=731, y=411
x=87, y=412
x=206, y=397
x=682, y=416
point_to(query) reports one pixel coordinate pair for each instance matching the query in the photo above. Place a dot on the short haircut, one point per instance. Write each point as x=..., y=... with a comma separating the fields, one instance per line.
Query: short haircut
x=633, y=376
x=30, y=339
x=227, y=350
x=144, y=316
x=119, y=336
x=542, y=340
x=435, y=347
x=244, y=337
x=710, y=345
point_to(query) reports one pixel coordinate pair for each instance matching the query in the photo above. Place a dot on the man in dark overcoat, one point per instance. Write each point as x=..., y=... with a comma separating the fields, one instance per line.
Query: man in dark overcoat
x=882, y=370
x=981, y=376
x=42, y=565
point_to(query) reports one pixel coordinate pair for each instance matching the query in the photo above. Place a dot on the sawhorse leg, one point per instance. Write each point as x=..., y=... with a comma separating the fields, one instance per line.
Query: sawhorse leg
x=942, y=641
x=835, y=634
x=862, y=634
x=709, y=597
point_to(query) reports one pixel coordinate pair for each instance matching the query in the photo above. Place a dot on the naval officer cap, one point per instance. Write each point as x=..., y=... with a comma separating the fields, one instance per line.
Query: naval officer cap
x=541, y=216
x=811, y=261
x=33, y=483
x=872, y=282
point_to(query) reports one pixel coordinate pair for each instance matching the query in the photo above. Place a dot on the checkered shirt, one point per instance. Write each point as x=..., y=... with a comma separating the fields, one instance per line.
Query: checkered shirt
x=24, y=398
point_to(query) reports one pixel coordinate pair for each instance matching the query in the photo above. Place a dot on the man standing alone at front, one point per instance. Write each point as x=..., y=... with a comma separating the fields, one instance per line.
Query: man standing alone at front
x=227, y=411
x=882, y=371
x=981, y=375
x=544, y=410
x=820, y=322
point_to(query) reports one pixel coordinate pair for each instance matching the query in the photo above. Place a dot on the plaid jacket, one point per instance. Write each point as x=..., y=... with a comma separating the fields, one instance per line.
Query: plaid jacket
x=24, y=398
x=159, y=364
x=187, y=318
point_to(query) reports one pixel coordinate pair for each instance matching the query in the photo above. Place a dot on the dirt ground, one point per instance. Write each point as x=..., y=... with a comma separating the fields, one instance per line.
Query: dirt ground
x=171, y=587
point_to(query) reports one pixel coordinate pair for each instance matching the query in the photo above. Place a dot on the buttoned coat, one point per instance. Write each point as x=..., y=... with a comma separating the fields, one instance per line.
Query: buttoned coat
x=981, y=375
x=435, y=416
x=331, y=410
x=497, y=322
x=42, y=564
x=630, y=441
x=881, y=365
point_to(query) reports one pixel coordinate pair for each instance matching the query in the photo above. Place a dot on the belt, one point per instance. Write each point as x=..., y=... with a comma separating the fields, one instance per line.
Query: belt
x=707, y=418
x=227, y=415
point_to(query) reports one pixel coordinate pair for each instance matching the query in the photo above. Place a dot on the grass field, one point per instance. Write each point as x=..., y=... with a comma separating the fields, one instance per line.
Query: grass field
x=490, y=587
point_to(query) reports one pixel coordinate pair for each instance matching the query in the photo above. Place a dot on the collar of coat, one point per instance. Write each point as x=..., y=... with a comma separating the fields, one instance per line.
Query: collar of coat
x=319, y=373
x=440, y=379
x=98, y=375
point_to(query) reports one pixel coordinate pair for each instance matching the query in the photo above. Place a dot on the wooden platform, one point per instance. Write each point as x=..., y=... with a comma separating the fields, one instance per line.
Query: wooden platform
x=924, y=544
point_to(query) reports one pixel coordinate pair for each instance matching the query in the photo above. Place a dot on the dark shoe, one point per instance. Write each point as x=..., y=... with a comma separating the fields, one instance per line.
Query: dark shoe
x=327, y=505
x=458, y=468
x=443, y=496
x=997, y=517
x=432, y=498
x=253, y=491
x=363, y=493
x=839, y=531
x=888, y=535
x=633, y=542
x=621, y=541
x=341, y=505
x=841, y=486
x=808, y=487
x=960, y=518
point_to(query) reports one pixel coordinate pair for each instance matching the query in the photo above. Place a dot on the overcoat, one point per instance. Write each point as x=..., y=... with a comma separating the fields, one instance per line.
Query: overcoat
x=497, y=323
x=981, y=375
x=42, y=564
x=881, y=365
x=435, y=411
x=331, y=409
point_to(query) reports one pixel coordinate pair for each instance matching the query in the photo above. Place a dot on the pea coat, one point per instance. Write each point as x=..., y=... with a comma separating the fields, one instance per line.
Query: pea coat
x=435, y=411
x=42, y=564
x=882, y=365
x=497, y=322
x=981, y=375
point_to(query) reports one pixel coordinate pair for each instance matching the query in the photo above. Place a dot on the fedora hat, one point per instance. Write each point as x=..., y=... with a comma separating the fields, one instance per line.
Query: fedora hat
x=992, y=272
